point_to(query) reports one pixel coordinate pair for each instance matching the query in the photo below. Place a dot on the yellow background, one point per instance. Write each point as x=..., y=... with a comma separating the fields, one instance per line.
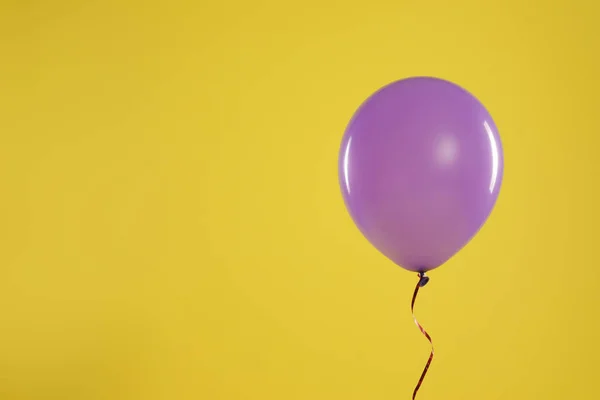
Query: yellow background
x=171, y=225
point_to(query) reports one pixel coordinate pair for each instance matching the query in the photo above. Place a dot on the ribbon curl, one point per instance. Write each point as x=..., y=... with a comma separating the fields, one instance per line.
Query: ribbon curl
x=423, y=279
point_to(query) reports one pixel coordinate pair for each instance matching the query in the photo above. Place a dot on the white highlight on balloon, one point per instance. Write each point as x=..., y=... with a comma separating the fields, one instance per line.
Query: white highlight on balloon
x=495, y=154
x=346, y=163
x=446, y=150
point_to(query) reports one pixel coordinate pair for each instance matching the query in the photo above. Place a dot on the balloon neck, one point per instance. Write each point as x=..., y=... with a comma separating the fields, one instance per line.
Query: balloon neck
x=423, y=279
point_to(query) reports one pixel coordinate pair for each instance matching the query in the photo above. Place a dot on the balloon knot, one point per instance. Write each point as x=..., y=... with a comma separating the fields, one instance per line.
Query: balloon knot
x=423, y=279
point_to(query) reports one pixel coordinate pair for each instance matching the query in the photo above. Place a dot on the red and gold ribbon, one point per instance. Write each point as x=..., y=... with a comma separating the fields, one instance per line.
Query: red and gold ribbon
x=423, y=279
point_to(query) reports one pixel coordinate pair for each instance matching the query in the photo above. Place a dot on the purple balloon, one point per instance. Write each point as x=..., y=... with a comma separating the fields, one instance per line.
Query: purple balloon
x=420, y=168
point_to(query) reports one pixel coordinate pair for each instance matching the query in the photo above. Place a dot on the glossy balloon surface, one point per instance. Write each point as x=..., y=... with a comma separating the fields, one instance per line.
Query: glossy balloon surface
x=420, y=168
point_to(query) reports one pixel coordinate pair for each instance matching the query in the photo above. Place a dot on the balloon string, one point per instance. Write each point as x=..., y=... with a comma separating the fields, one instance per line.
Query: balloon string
x=423, y=279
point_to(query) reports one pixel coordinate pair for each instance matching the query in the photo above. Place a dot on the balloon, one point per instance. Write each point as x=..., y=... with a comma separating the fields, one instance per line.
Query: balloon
x=420, y=168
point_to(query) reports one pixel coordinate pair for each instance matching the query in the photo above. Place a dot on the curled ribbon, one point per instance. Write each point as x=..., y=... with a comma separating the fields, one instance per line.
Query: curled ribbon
x=423, y=279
